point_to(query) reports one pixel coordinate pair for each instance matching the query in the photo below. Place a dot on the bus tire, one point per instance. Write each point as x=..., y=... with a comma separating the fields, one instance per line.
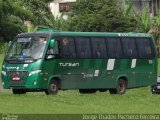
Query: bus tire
x=121, y=87
x=53, y=88
x=18, y=91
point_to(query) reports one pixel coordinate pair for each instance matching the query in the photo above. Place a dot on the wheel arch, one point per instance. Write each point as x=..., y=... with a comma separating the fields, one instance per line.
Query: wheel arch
x=124, y=77
x=57, y=79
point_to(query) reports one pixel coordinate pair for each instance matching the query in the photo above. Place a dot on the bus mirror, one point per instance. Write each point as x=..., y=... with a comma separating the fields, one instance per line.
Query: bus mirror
x=52, y=43
x=9, y=44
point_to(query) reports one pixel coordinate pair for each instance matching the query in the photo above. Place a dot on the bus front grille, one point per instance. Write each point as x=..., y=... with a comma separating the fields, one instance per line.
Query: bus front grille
x=17, y=73
x=21, y=75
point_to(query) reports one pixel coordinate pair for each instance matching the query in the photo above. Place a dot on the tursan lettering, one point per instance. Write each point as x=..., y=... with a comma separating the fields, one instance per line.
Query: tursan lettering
x=69, y=64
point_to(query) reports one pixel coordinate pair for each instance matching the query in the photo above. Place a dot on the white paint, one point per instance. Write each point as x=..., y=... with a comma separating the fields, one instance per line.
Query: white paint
x=133, y=64
x=158, y=79
x=69, y=64
x=96, y=73
x=35, y=83
x=25, y=65
x=110, y=64
x=3, y=73
x=11, y=67
x=34, y=72
x=150, y=61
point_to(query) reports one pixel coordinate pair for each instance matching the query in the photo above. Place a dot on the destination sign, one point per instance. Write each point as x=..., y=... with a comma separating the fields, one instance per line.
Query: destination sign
x=24, y=39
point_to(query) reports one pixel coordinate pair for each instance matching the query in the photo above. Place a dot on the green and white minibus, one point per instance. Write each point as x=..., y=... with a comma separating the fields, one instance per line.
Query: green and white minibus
x=49, y=61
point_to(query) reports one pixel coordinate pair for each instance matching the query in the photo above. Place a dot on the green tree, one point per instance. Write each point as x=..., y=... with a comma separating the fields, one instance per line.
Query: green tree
x=14, y=13
x=12, y=18
x=155, y=28
x=144, y=20
x=99, y=15
x=40, y=11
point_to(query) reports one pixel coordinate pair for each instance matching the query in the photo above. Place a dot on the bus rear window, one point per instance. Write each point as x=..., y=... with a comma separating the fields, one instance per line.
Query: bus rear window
x=144, y=48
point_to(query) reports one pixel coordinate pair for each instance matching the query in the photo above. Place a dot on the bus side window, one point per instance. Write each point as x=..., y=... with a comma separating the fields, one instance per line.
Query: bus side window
x=114, y=49
x=68, y=47
x=83, y=47
x=98, y=47
x=129, y=48
x=144, y=48
x=53, y=52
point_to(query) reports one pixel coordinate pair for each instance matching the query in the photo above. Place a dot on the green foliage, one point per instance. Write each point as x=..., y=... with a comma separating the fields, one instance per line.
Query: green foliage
x=128, y=8
x=39, y=10
x=156, y=26
x=143, y=19
x=99, y=15
x=14, y=13
x=12, y=17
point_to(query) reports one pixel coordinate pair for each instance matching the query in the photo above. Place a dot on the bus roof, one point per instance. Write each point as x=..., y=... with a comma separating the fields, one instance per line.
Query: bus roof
x=97, y=34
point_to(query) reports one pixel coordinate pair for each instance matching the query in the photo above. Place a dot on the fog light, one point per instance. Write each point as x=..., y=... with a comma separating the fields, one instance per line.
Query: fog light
x=35, y=83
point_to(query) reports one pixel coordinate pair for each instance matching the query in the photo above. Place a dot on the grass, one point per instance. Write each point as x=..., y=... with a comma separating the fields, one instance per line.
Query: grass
x=135, y=101
x=138, y=100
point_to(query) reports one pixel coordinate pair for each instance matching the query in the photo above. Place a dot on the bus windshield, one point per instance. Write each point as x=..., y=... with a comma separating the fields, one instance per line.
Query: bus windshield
x=27, y=48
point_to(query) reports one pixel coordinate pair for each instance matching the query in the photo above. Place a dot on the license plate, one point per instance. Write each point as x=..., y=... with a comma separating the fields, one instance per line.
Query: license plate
x=18, y=82
x=15, y=78
x=158, y=87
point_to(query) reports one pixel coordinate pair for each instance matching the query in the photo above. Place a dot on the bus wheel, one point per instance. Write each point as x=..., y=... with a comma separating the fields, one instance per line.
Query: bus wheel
x=18, y=91
x=53, y=88
x=121, y=87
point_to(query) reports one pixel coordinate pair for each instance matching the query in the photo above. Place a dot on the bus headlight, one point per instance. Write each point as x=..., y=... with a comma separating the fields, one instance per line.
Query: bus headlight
x=2, y=83
x=4, y=73
x=34, y=72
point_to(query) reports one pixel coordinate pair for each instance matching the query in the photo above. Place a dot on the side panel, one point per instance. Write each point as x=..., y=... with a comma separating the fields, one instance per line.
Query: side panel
x=101, y=73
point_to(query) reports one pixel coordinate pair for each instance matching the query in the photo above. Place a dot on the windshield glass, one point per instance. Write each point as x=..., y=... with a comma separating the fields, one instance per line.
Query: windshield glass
x=24, y=48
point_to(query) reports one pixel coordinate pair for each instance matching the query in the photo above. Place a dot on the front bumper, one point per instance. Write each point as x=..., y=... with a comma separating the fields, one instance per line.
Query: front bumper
x=26, y=82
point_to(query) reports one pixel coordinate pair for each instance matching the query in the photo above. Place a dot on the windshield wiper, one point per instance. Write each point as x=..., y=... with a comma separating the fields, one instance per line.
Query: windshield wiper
x=33, y=58
x=12, y=58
